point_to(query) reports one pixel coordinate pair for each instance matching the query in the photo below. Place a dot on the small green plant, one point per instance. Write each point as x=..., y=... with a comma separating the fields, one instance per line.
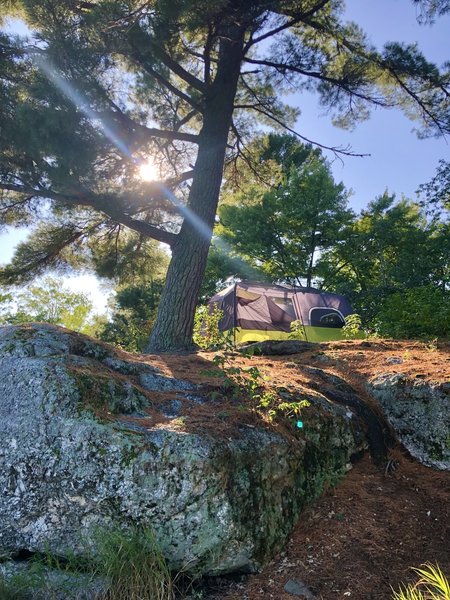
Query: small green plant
x=248, y=385
x=352, y=327
x=12, y=589
x=131, y=561
x=297, y=331
x=431, y=585
x=23, y=583
x=432, y=345
x=293, y=409
x=207, y=334
x=179, y=421
x=288, y=409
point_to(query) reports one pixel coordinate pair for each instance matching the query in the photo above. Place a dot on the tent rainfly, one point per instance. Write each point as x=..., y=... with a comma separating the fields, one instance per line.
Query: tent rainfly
x=255, y=312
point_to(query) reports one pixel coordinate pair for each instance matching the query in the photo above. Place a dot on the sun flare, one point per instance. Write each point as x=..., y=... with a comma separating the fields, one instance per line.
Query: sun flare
x=148, y=171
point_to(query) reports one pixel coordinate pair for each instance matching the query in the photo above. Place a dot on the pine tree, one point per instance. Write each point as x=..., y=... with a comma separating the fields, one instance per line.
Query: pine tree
x=102, y=85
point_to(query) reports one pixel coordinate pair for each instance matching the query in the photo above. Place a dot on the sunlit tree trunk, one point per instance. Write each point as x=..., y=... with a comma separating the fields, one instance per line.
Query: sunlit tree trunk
x=175, y=319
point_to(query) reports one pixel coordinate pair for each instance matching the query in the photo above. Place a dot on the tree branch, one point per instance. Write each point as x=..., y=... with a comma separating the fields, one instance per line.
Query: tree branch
x=384, y=65
x=337, y=151
x=138, y=58
x=180, y=71
x=283, y=67
x=144, y=132
x=287, y=24
x=104, y=205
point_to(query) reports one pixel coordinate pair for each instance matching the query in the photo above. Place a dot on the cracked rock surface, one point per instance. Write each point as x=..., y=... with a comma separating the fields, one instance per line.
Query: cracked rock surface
x=77, y=453
x=419, y=412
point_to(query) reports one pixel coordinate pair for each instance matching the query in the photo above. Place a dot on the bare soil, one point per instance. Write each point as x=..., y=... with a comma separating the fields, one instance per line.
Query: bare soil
x=360, y=539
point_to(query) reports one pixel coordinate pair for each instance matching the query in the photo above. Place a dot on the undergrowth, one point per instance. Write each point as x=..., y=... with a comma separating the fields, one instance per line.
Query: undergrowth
x=127, y=563
x=247, y=385
x=131, y=561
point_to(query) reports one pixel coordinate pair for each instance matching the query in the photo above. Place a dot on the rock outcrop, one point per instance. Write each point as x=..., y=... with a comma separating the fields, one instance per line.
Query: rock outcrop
x=277, y=348
x=82, y=447
x=419, y=412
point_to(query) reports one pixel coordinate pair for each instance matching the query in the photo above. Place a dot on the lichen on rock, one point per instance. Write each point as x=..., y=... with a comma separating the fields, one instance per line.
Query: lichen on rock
x=81, y=451
x=419, y=412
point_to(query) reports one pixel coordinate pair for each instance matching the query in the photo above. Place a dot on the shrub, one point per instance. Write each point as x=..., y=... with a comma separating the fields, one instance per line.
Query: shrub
x=297, y=331
x=422, y=312
x=352, y=327
x=207, y=334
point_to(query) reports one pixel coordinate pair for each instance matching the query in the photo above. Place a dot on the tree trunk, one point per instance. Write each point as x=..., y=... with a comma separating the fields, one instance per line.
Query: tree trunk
x=175, y=319
x=311, y=259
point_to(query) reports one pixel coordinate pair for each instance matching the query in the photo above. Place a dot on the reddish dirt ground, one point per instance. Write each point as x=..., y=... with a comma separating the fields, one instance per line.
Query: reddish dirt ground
x=360, y=358
x=361, y=538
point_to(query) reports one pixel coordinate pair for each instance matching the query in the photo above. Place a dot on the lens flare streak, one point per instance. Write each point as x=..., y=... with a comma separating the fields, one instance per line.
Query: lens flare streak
x=82, y=103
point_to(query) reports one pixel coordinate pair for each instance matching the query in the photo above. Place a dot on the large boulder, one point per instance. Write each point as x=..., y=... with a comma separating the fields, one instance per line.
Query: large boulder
x=83, y=446
x=419, y=412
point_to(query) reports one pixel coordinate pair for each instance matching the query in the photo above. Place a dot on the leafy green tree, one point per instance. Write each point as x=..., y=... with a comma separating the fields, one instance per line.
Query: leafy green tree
x=223, y=266
x=390, y=247
x=421, y=312
x=137, y=268
x=104, y=85
x=133, y=313
x=49, y=302
x=282, y=230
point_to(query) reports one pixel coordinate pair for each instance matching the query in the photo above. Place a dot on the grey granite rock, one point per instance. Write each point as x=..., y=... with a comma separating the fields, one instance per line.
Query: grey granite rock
x=78, y=452
x=299, y=589
x=31, y=581
x=419, y=412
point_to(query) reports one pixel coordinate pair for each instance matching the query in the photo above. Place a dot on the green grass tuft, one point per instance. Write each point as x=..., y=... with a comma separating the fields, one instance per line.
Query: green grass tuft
x=431, y=585
x=133, y=564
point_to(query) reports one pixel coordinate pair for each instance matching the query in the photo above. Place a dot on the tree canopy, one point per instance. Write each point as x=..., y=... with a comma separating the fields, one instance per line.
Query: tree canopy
x=436, y=193
x=390, y=247
x=282, y=228
x=102, y=86
x=48, y=302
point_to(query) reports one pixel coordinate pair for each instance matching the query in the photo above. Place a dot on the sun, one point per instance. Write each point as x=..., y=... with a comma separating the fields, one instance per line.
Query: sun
x=148, y=171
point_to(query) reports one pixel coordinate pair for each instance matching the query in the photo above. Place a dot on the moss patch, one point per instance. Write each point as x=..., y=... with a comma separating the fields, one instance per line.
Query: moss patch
x=102, y=391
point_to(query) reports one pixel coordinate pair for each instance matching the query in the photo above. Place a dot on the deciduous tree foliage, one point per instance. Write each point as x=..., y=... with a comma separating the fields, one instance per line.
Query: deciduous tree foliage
x=50, y=303
x=281, y=229
x=104, y=84
x=133, y=313
x=391, y=247
x=436, y=193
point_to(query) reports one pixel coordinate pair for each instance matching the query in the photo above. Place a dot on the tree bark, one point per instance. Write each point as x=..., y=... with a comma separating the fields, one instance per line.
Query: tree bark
x=311, y=258
x=175, y=319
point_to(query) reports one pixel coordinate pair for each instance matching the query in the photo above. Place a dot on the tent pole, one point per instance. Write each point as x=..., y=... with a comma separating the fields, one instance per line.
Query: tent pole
x=234, y=315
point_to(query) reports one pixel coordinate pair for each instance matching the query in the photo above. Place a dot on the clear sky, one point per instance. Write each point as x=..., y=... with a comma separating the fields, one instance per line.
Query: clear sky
x=398, y=160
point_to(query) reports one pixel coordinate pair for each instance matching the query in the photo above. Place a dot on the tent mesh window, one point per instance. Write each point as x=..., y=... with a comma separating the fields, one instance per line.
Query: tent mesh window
x=285, y=304
x=326, y=317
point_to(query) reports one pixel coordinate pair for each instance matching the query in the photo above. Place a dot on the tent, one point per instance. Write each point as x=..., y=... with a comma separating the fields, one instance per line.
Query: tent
x=254, y=312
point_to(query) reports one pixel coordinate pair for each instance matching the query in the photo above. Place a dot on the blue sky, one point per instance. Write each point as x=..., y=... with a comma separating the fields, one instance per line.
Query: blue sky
x=398, y=161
